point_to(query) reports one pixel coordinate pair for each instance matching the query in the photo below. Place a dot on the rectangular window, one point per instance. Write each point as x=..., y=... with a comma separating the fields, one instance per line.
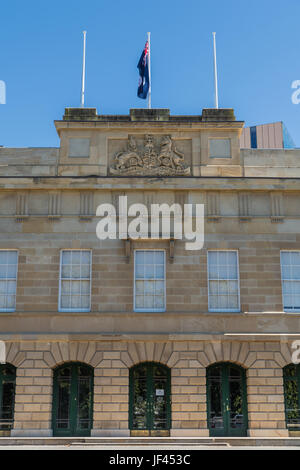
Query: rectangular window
x=290, y=278
x=219, y=148
x=223, y=281
x=75, y=281
x=150, y=281
x=8, y=280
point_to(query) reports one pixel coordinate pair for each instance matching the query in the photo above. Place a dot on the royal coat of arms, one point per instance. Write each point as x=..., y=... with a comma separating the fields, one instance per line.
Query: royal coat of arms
x=152, y=160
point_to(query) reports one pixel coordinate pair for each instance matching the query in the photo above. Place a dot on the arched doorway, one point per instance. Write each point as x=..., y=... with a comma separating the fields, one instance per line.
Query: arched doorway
x=7, y=396
x=291, y=380
x=73, y=400
x=226, y=400
x=149, y=399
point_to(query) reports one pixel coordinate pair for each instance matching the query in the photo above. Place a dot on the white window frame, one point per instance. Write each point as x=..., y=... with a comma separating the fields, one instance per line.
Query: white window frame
x=288, y=310
x=137, y=309
x=12, y=279
x=237, y=310
x=62, y=309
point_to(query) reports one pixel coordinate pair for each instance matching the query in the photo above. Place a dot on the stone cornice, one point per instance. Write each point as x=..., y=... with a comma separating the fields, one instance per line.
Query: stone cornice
x=191, y=183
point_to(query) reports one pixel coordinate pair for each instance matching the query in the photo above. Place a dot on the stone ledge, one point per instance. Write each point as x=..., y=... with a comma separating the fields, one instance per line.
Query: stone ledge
x=149, y=114
x=110, y=433
x=31, y=433
x=189, y=432
x=268, y=433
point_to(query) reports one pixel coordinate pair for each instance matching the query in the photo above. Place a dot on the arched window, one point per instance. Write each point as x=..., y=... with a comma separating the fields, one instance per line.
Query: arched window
x=73, y=399
x=226, y=400
x=291, y=380
x=7, y=395
x=149, y=399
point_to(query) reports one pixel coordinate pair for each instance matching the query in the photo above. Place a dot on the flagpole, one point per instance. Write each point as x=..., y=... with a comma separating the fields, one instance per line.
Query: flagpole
x=149, y=68
x=83, y=71
x=215, y=73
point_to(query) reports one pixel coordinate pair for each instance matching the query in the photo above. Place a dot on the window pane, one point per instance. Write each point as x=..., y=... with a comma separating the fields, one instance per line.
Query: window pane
x=233, y=301
x=75, y=271
x=295, y=255
x=85, y=257
x=297, y=302
x=10, y=301
x=12, y=257
x=290, y=272
x=85, y=287
x=149, y=257
x=75, y=301
x=149, y=265
x=75, y=287
x=149, y=271
x=75, y=293
x=139, y=271
x=149, y=301
x=213, y=302
x=139, y=287
x=66, y=257
x=295, y=272
x=159, y=301
x=65, y=301
x=288, y=301
x=159, y=271
x=85, y=271
x=233, y=286
x=2, y=301
x=11, y=271
x=65, y=287
x=222, y=272
x=85, y=301
x=75, y=255
x=223, y=301
x=213, y=271
x=159, y=257
x=159, y=287
x=149, y=287
x=213, y=287
x=223, y=287
x=222, y=257
x=223, y=280
x=8, y=276
x=3, y=257
x=11, y=287
x=213, y=257
x=139, y=257
x=139, y=301
x=232, y=271
x=66, y=271
x=286, y=272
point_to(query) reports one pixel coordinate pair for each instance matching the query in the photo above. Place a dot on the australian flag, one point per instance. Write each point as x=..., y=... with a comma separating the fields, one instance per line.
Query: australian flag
x=144, y=79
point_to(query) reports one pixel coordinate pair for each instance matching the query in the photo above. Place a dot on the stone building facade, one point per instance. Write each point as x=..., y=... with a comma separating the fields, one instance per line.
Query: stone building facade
x=203, y=345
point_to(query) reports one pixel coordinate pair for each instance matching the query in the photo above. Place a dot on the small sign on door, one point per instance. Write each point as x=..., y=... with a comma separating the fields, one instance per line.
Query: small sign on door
x=159, y=392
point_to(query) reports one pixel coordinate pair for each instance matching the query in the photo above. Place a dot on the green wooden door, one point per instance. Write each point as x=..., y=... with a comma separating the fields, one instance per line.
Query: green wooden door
x=149, y=398
x=226, y=400
x=7, y=396
x=291, y=380
x=73, y=400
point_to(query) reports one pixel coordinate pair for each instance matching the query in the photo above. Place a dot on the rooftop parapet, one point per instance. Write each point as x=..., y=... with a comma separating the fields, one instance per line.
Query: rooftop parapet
x=148, y=115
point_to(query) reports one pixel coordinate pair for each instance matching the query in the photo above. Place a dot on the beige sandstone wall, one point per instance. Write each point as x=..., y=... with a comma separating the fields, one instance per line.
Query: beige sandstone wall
x=111, y=360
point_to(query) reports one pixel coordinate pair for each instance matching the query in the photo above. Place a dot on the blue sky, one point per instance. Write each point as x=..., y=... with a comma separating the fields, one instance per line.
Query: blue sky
x=41, y=60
